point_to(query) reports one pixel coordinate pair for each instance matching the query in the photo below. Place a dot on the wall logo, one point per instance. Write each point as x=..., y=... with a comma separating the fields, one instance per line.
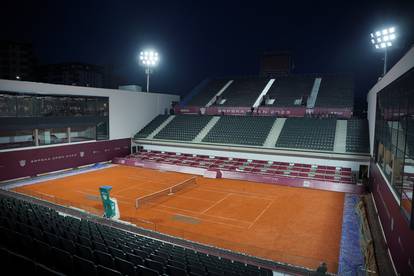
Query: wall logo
x=81, y=154
x=22, y=163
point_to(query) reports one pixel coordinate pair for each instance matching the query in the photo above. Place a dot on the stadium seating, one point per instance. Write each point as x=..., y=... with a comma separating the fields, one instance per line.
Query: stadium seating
x=336, y=91
x=357, y=136
x=208, y=92
x=308, y=134
x=297, y=133
x=243, y=92
x=183, y=127
x=36, y=240
x=286, y=90
x=259, y=167
x=151, y=126
x=244, y=130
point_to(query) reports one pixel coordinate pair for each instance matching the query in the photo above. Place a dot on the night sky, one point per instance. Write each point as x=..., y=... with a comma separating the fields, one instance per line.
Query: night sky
x=200, y=39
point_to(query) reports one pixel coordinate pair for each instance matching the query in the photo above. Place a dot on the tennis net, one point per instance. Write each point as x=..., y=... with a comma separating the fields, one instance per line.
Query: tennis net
x=140, y=201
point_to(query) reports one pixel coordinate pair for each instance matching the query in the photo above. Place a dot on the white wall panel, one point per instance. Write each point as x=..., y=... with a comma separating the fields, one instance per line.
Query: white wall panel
x=128, y=111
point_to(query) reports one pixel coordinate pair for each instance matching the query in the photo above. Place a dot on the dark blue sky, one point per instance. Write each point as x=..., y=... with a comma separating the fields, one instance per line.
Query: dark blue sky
x=199, y=39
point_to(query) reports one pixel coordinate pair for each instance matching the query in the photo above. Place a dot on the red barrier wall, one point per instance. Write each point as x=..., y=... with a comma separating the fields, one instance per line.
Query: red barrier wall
x=400, y=238
x=280, y=180
x=21, y=163
x=339, y=112
x=281, y=111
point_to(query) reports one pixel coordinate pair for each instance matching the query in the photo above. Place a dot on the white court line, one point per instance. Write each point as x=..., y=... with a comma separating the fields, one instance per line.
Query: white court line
x=194, y=198
x=257, y=218
x=52, y=196
x=246, y=194
x=132, y=187
x=197, y=213
x=215, y=204
x=202, y=219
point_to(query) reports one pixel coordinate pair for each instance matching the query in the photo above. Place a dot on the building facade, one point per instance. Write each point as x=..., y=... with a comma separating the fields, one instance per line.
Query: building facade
x=48, y=127
x=77, y=74
x=391, y=123
x=17, y=61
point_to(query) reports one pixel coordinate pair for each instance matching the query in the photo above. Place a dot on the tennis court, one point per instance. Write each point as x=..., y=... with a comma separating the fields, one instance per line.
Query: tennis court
x=294, y=225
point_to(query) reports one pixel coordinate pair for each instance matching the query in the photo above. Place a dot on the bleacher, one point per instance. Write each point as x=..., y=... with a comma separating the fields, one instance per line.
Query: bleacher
x=308, y=134
x=243, y=92
x=183, y=127
x=151, y=126
x=241, y=130
x=36, y=240
x=297, y=133
x=357, y=136
x=336, y=91
x=290, y=91
x=207, y=92
x=259, y=167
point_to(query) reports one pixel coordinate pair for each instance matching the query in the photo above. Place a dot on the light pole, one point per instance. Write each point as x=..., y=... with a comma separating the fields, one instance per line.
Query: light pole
x=149, y=59
x=382, y=40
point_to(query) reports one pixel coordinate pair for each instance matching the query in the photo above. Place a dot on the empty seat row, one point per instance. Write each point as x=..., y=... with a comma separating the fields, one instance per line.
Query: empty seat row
x=308, y=133
x=46, y=241
x=183, y=127
x=357, y=136
x=242, y=130
x=151, y=126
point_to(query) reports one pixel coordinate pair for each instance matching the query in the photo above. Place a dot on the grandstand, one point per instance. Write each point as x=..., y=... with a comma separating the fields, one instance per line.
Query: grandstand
x=336, y=92
x=289, y=91
x=242, y=92
x=208, y=92
x=304, y=133
x=307, y=134
x=38, y=239
x=240, y=130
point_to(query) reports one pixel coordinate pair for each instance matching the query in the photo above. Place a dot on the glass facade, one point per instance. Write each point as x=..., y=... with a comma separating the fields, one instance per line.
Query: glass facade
x=34, y=105
x=394, y=138
x=37, y=120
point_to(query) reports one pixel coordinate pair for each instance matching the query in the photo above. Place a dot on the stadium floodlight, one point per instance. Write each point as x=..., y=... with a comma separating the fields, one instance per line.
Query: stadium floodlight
x=149, y=59
x=382, y=40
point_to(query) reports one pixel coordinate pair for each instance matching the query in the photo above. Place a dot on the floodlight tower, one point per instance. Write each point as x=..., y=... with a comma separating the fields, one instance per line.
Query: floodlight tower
x=149, y=59
x=382, y=40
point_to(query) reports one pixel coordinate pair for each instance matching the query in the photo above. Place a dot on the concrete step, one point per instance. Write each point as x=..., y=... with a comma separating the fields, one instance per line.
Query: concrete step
x=274, y=133
x=158, y=129
x=340, y=136
x=211, y=102
x=314, y=93
x=206, y=129
x=264, y=92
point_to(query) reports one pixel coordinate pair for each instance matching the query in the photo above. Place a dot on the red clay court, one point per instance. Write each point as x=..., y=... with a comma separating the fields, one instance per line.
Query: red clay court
x=294, y=225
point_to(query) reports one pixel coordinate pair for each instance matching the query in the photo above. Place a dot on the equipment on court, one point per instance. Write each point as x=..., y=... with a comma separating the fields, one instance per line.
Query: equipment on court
x=111, y=209
x=140, y=201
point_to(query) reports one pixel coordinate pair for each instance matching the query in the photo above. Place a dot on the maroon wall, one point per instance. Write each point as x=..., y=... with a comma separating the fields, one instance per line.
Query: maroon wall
x=20, y=163
x=400, y=238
